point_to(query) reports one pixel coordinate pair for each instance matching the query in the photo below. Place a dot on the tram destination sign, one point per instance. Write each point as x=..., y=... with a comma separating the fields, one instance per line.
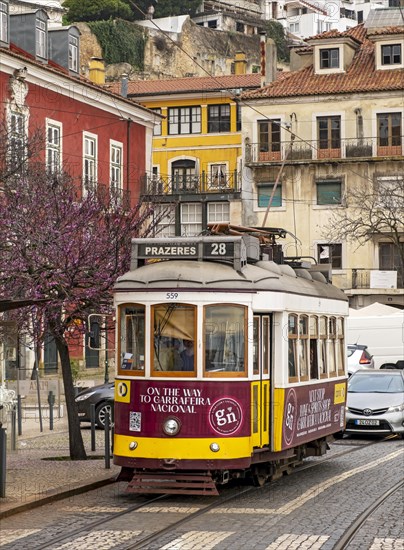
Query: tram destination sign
x=214, y=250
x=232, y=249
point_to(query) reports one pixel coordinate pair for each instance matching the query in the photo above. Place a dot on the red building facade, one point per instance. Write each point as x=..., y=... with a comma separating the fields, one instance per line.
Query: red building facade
x=101, y=139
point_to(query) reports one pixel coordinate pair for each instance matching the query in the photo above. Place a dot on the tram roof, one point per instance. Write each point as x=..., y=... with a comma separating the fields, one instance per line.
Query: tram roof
x=210, y=276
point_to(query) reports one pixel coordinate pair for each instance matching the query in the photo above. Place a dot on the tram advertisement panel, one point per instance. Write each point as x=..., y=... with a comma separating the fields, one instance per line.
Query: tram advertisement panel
x=313, y=411
x=206, y=409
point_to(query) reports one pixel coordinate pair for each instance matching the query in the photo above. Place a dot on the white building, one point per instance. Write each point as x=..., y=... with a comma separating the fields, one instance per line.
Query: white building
x=303, y=18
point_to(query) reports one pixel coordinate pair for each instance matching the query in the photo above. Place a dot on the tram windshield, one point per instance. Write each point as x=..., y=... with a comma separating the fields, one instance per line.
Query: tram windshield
x=174, y=327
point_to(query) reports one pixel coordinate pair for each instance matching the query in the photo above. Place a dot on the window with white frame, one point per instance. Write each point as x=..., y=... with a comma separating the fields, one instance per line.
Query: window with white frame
x=40, y=38
x=53, y=146
x=389, y=129
x=267, y=192
x=165, y=214
x=218, y=212
x=73, y=53
x=217, y=175
x=391, y=54
x=3, y=22
x=390, y=192
x=294, y=27
x=329, y=58
x=191, y=219
x=157, y=123
x=329, y=192
x=116, y=168
x=16, y=140
x=89, y=161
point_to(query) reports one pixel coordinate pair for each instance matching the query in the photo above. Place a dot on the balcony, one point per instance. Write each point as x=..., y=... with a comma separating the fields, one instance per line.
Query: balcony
x=155, y=186
x=371, y=281
x=316, y=151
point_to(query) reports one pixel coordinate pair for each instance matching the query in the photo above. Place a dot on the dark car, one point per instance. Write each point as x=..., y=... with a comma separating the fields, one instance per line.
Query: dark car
x=102, y=397
x=375, y=402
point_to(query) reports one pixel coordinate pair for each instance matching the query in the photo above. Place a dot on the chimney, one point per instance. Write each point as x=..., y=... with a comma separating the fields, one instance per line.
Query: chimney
x=240, y=63
x=97, y=70
x=268, y=60
x=124, y=85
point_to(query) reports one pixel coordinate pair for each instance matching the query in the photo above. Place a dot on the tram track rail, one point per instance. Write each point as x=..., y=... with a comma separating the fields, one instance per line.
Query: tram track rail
x=356, y=526
x=216, y=503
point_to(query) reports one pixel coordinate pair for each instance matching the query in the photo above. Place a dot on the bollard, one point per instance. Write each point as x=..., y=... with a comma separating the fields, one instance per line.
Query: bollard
x=13, y=430
x=106, y=432
x=92, y=420
x=19, y=414
x=3, y=461
x=51, y=401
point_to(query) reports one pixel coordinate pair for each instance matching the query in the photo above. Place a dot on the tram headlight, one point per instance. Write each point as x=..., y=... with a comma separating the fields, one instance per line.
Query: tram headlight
x=214, y=447
x=171, y=426
x=132, y=445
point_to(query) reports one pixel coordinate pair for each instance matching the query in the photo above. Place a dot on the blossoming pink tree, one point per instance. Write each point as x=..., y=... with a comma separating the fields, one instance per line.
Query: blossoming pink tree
x=66, y=250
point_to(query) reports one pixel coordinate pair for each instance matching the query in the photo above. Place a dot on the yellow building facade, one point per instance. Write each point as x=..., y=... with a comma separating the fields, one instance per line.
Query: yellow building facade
x=197, y=148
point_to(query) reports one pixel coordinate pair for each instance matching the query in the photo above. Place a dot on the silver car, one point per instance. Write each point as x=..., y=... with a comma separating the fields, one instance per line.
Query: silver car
x=375, y=402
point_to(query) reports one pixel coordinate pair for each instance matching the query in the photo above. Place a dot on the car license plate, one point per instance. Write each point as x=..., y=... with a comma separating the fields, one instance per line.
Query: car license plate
x=367, y=422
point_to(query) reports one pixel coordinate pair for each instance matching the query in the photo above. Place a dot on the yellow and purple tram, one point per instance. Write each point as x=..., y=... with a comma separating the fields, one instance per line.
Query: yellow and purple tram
x=230, y=364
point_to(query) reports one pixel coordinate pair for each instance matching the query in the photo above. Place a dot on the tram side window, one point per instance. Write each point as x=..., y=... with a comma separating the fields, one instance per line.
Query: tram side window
x=339, y=346
x=261, y=344
x=224, y=330
x=332, y=332
x=256, y=340
x=174, y=328
x=265, y=344
x=132, y=338
x=292, y=344
x=322, y=356
x=303, y=345
x=313, y=334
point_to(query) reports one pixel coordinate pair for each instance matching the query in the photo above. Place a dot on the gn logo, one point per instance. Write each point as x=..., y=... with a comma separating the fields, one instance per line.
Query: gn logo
x=122, y=391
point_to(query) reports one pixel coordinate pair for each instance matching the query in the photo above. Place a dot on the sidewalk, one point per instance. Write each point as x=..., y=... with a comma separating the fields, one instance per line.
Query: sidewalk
x=36, y=474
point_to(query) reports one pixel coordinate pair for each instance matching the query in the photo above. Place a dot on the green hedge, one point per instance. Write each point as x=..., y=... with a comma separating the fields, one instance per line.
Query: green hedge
x=121, y=42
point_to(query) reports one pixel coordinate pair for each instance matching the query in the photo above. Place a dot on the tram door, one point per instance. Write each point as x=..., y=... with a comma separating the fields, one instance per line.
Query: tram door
x=260, y=383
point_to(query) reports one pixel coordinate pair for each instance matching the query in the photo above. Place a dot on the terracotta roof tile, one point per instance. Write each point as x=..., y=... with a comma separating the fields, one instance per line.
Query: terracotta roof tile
x=361, y=75
x=190, y=84
x=54, y=68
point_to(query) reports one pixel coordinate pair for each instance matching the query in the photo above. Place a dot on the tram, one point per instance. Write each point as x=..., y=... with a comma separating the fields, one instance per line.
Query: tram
x=231, y=362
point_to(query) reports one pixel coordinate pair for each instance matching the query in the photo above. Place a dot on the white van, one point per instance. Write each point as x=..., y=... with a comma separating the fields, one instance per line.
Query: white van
x=383, y=333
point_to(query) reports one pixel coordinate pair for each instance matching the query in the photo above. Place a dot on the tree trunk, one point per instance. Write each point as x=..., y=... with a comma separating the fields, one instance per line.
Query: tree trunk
x=76, y=445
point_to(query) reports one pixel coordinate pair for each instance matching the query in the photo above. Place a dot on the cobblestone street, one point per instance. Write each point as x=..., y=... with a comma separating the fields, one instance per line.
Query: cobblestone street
x=310, y=509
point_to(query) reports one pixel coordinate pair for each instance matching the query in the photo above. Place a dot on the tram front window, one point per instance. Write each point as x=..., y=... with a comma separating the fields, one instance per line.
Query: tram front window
x=224, y=338
x=132, y=337
x=174, y=327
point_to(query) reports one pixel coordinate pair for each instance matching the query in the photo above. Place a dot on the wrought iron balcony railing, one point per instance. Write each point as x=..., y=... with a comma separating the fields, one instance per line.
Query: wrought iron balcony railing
x=311, y=150
x=228, y=182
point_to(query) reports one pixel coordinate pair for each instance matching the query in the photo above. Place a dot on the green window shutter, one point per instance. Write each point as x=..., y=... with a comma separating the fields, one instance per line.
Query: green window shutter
x=264, y=194
x=328, y=192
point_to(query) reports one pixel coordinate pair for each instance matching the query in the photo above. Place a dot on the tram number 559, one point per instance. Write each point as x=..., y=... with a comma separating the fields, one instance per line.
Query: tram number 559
x=171, y=295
